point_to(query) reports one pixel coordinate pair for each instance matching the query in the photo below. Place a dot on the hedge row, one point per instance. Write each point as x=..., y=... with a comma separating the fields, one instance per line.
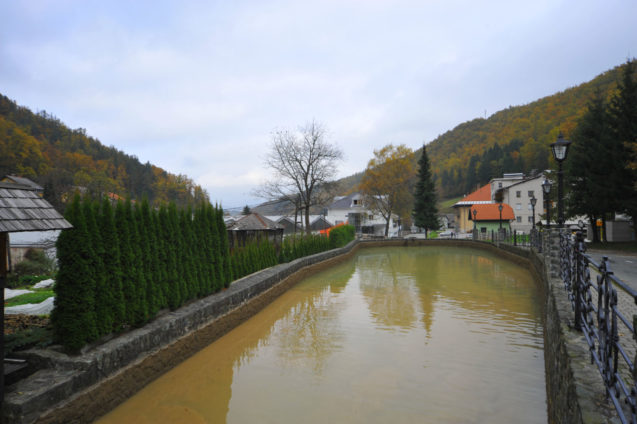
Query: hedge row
x=118, y=268
x=262, y=254
x=253, y=257
x=342, y=235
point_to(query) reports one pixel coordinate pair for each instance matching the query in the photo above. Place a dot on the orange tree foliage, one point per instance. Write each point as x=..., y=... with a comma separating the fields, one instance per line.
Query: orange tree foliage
x=388, y=180
x=40, y=147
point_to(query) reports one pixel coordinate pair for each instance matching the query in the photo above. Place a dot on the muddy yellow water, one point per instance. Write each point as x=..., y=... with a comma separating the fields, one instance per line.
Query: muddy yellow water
x=394, y=335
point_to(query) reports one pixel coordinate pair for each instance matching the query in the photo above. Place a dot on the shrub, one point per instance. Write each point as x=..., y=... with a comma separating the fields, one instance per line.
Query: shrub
x=342, y=235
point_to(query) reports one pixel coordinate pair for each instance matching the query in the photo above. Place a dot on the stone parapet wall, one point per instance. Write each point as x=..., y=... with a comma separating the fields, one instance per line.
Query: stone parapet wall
x=82, y=388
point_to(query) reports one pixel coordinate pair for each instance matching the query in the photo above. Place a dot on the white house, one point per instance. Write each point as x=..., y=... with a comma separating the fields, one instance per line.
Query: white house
x=351, y=209
x=517, y=191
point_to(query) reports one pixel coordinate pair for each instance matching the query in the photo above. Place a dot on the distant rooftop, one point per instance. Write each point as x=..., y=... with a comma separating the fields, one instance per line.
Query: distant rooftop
x=480, y=196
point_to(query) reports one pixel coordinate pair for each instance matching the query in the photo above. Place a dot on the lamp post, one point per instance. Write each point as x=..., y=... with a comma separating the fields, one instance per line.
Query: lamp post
x=475, y=213
x=500, y=209
x=533, y=202
x=560, y=150
x=546, y=188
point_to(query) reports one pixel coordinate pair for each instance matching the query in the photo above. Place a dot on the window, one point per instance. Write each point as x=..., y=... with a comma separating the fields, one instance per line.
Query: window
x=483, y=229
x=518, y=219
x=518, y=193
x=371, y=217
x=355, y=202
x=518, y=206
x=531, y=193
x=499, y=186
x=530, y=206
x=530, y=219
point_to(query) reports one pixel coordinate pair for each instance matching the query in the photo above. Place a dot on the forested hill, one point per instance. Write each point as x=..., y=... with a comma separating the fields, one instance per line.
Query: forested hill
x=516, y=139
x=40, y=147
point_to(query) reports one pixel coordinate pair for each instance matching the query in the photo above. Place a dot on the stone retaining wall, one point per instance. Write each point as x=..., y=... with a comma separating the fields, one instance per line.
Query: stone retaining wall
x=82, y=388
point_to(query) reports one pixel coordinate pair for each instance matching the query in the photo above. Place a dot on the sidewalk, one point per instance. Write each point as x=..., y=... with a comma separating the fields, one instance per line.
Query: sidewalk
x=623, y=264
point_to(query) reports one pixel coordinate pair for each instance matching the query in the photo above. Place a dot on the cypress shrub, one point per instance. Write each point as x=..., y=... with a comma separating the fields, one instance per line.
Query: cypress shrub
x=342, y=235
x=185, y=222
x=200, y=250
x=127, y=261
x=154, y=293
x=112, y=265
x=74, y=315
x=103, y=313
x=145, y=261
x=226, y=270
x=163, y=243
x=170, y=230
x=140, y=308
x=214, y=247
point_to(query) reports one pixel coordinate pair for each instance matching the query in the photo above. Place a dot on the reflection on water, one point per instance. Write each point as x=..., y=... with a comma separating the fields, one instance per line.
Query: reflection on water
x=393, y=335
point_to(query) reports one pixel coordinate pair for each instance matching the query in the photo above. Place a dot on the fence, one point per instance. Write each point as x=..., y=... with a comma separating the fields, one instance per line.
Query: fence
x=534, y=238
x=599, y=315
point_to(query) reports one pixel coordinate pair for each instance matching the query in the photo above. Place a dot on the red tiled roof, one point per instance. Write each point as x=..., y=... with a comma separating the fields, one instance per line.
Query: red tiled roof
x=480, y=195
x=490, y=212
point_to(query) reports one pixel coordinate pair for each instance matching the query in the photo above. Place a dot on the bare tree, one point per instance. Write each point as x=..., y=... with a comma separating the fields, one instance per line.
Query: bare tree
x=302, y=162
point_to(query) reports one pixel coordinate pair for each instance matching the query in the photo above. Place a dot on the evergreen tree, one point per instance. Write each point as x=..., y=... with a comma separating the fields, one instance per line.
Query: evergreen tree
x=224, y=248
x=103, y=314
x=112, y=265
x=623, y=116
x=159, y=267
x=214, y=249
x=140, y=311
x=145, y=260
x=186, y=255
x=170, y=235
x=590, y=157
x=74, y=314
x=163, y=241
x=127, y=260
x=154, y=295
x=425, y=209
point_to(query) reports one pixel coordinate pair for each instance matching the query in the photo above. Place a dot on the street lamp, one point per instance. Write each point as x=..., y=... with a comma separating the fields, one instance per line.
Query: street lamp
x=500, y=209
x=475, y=213
x=546, y=188
x=560, y=150
x=533, y=202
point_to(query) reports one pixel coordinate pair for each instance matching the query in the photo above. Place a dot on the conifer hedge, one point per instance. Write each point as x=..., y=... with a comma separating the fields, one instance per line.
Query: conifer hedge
x=117, y=270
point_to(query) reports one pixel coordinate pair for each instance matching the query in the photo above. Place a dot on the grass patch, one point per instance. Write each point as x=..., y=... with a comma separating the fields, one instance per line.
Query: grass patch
x=446, y=206
x=35, y=297
x=620, y=246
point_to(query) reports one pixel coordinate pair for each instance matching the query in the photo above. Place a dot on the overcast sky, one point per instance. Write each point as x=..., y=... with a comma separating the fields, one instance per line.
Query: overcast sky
x=197, y=87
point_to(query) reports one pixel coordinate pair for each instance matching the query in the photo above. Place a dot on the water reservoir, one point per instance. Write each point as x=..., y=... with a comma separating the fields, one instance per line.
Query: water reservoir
x=391, y=335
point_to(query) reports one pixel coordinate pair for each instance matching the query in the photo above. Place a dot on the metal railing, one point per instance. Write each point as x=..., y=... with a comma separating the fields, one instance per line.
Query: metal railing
x=533, y=239
x=599, y=317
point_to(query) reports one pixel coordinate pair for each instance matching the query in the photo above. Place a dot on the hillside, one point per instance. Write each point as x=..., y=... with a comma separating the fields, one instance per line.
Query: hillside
x=40, y=147
x=515, y=139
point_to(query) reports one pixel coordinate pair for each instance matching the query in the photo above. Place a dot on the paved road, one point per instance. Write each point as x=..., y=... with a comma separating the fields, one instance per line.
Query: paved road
x=623, y=264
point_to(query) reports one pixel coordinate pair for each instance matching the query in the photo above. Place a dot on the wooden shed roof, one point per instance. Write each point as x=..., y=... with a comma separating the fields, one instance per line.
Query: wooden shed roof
x=21, y=209
x=252, y=222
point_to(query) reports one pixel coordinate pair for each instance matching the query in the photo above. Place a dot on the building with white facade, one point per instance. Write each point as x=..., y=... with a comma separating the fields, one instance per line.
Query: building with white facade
x=517, y=191
x=351, y=209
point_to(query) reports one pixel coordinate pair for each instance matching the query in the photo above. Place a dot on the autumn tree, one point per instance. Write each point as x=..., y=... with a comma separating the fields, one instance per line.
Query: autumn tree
x=387, y=182
x=425, y=209
x=302, y=164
